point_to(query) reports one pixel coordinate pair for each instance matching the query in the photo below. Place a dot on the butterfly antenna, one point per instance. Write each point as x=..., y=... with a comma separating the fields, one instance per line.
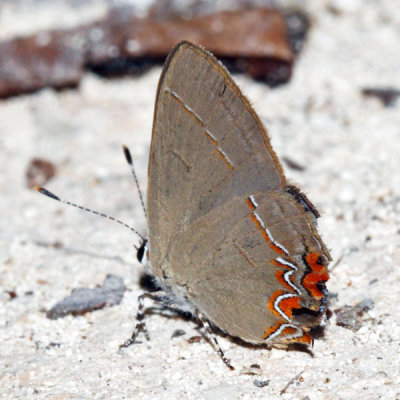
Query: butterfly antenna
x=129, y=160
x=69, y=203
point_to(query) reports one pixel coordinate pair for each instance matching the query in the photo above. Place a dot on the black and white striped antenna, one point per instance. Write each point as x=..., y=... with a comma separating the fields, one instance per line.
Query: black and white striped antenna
x=128, y=158
x=47, y=193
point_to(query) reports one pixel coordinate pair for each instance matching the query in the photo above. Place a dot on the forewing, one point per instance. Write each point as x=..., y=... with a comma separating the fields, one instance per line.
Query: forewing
x=208, y=146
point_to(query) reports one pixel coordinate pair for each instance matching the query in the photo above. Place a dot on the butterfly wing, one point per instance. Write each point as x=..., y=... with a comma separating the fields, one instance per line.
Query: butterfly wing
x=216, y=209
x=204, y=151
x=256, y=266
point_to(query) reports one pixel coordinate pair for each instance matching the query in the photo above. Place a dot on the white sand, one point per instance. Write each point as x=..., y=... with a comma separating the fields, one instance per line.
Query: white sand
x=351, y=149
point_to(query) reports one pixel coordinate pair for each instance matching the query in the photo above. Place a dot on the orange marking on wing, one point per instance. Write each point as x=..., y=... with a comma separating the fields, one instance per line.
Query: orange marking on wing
x=310, y=283
x=244, y=255
x=319, y=274
x=275, y=248
x=250, y=204
x=224, y=159
x=255, y=220
x=278, y=264
x=313, y=260
x=279, y=277
x=265, y=236
x=196, y=118
x=213, y=141
x=272, y=300
x=288, y=331
x=306, y=338
x=184, y=106
x=286, y=305
x=220, y=152
x=281, y=265
x=272, y=330
x=264, y=232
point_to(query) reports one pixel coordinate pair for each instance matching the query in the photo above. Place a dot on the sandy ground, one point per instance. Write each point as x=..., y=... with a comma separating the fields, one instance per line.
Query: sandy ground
x=350, y=147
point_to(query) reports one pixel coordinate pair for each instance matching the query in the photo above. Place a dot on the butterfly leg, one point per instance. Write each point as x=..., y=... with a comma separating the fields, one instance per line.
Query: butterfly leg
x=210, y=336
x=140, y=324
x=160, y=297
